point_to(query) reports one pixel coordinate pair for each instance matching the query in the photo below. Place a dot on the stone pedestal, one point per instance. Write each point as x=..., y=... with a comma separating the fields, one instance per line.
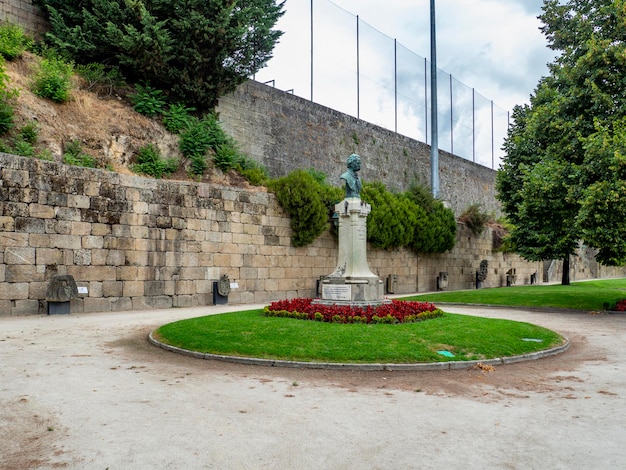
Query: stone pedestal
x=352, y=282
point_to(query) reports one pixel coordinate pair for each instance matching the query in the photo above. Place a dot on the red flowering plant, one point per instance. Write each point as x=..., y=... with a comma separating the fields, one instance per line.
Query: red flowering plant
x=620, y=306
x=397, y=311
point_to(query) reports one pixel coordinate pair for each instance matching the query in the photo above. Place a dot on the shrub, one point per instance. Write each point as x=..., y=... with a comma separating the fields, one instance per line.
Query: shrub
x=255, y=173
x=227, y=156
x=6, y=117
x=177, y=117
x=150, y=162
x=148, y=101
x=29, y=133
x=392, y=221
x=53, y=79
x=74, y=155
x=6, y=109
x=13, y=41
x=201, y=136
x=299, y=195
x=474, y=218
x=45, y=154
x=23, y=148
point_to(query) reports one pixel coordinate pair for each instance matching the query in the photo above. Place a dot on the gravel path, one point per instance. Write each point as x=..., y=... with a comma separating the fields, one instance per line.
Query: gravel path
x=89, y=392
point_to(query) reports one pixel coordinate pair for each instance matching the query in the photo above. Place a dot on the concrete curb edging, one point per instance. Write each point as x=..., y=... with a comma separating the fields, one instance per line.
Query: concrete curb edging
x=451, y=365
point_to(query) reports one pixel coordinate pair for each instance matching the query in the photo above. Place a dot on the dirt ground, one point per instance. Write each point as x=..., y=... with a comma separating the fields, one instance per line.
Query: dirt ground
x=89, y=391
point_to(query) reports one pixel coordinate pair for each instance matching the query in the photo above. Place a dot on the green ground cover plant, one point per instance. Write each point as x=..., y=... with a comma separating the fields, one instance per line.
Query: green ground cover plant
x=587, y=295
x=252, y=334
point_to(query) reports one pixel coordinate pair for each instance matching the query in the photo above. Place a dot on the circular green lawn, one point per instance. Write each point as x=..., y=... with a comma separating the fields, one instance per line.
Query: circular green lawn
x=448, y=338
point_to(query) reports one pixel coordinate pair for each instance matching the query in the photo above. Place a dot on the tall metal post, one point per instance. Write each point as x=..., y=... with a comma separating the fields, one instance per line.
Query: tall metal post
x=311, y=50
x=395, y=83
x=358, y=70
x=434, y=141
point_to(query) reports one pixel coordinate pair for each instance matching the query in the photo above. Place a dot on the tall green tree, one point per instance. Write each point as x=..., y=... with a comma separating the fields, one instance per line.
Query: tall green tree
x=196, y=50
x=551, y=159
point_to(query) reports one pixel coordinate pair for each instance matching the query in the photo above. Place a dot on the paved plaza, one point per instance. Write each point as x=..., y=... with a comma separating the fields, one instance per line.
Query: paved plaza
x=87, y=391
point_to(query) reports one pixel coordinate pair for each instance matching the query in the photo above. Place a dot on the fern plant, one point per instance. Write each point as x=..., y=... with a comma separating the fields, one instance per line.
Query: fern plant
x=150, y=162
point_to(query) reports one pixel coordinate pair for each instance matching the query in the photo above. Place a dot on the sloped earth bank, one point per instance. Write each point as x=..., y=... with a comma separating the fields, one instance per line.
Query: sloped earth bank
x=102, y=121
x=88, y=391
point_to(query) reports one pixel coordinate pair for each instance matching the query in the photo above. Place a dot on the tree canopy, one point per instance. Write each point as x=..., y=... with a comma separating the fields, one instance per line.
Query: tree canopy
x=562, y=177
x=196, y=50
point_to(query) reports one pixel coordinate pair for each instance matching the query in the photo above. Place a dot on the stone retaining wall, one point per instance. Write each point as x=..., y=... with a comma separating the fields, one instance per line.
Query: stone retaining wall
x=24, y=13
x=138, y=243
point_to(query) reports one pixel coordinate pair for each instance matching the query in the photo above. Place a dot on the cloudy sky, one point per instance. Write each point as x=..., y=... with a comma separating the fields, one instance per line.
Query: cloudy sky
x=491, y=46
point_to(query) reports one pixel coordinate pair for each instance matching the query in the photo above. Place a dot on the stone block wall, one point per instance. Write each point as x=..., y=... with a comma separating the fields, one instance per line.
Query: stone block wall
x=138, y=243
x=24, y=13
x=286, y=132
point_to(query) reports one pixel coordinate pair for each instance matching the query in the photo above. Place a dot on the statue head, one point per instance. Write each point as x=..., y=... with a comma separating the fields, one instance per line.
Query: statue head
x=354, y=162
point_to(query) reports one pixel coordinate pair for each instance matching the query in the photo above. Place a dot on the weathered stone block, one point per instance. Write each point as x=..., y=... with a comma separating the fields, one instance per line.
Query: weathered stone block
x=22, y=273
x=7, y=224
x=82, y=257
x=112, y=288
x=26, y=307
x=19, y=255
x=121, y=304
x=133, y=289
x=78, y=200
x=13, y=291
x=29, y=225
x=93, y=304
x=41, y=211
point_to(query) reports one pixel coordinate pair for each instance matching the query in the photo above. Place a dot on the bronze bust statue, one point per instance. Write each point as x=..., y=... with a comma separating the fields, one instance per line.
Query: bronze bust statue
x=351, y=177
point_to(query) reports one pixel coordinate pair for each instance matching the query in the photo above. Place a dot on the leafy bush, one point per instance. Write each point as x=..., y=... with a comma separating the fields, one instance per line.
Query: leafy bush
x=29, y=133
x=150, y=162
x=474, y=218
x=23, y=148
x=53, y=79
x=6, y=109
x=177, y=117
x=299, y=195
x=203, y=135
x=45, y=154
x=255, y=173
x=74, y=155
x=6, y=117
x=393, y=220
x=148, y=101
x=13, y=41
x=227, y=156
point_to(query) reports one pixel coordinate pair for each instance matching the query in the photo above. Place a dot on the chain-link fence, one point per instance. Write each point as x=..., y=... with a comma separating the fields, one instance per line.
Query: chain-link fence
x=335, y=59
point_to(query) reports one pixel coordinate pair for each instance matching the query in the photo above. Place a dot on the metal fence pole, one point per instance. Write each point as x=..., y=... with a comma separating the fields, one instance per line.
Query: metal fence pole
x=473, y=125
x=434, y=145
x=425, y=100
x=451, y=119
x=493, y=154
x=358, y=70
x=311, y=50
x=395, y=81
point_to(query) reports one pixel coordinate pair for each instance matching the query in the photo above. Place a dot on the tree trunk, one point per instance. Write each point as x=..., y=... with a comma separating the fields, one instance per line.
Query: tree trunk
x=565, y=276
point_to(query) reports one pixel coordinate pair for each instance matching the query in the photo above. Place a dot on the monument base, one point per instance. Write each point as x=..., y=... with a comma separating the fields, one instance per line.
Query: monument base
x=357, y=292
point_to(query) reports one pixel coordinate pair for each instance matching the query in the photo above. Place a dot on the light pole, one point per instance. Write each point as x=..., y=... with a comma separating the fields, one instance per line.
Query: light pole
x=434, y=140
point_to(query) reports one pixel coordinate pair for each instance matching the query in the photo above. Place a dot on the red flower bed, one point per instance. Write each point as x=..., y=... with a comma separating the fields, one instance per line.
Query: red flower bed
x=397, y=311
